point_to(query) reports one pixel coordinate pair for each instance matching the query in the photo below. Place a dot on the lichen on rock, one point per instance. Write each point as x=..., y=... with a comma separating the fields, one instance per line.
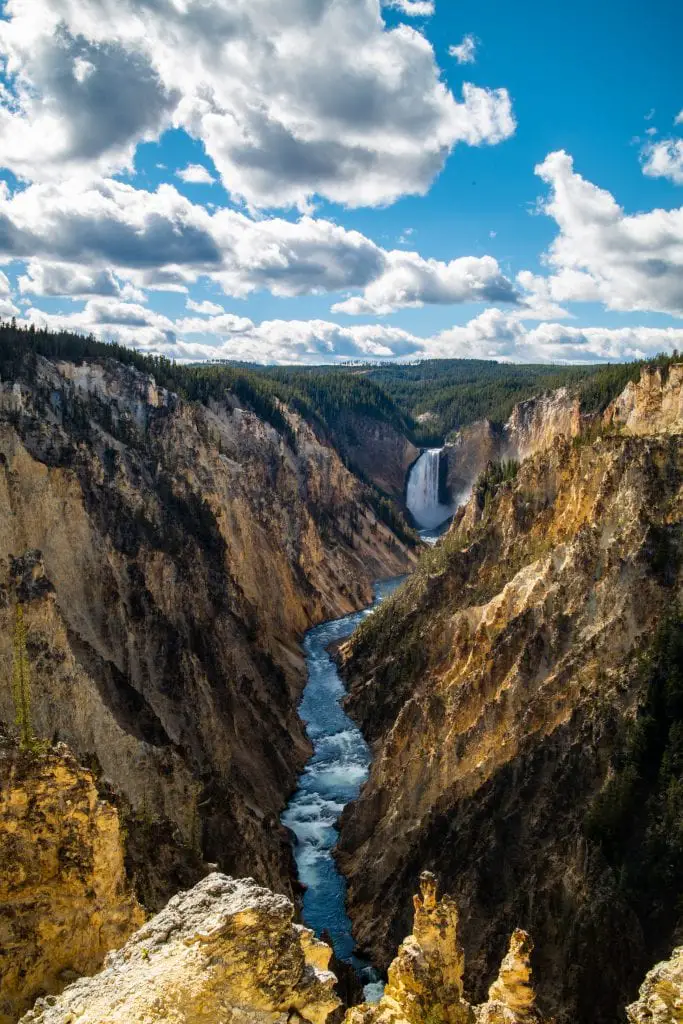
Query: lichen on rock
x=660, y=1000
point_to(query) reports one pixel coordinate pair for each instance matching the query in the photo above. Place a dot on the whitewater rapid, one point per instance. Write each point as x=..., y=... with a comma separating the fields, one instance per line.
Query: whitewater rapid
x=332, y=778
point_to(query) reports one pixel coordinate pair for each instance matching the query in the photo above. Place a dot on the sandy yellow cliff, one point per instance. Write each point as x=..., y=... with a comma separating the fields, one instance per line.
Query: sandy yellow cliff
x=65, y=900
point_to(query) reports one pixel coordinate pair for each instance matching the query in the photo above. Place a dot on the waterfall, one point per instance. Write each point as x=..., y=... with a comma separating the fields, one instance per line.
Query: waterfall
x=422, y=495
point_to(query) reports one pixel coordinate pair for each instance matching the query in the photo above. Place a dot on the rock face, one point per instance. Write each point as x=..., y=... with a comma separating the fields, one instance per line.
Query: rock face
x=660, y=999
x=654, y=405
x=225, y=951
x=64, y=898
x=169, y=557
x=426, y=978
x=495, y=687
x=532, y=427
x=381, y=452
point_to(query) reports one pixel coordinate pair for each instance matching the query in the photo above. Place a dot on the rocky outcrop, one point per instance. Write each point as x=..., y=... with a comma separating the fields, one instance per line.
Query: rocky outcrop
x=381, y=452
x=653, y=405
x=533, y=427
x=64, y=897
x=227, y=950
x=169, y=556
x=495, y=687
x=660, y=1000
x=426, y=977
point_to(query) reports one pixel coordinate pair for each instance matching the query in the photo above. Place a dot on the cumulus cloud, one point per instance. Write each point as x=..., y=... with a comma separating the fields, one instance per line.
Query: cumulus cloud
x=602, y=254
x=411, y=281
x=5, y=287
x=664, y=160
x=206, y=308
x=290, y=99
x=196, y=174
x=466, y=51
x=111, y=236
x=492, y=335
x=413, y=8
x=66, y=280
x=679, y=118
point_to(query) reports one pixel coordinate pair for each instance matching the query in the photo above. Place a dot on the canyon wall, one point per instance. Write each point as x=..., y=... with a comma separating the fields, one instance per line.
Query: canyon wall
x=64, y=897
x=169, y=556
x=498, y=685
x=532, y=427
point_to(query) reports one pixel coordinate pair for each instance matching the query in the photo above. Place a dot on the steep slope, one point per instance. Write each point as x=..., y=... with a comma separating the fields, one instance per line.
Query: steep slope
x=169, y=556
x=532, y=427
x=64, y=898
x=495, y=687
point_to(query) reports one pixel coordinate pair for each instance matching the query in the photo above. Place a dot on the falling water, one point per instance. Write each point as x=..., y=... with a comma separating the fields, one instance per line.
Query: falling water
x=422, y=496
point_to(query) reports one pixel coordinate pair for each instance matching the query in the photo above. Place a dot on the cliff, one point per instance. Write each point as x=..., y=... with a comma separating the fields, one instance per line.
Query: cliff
x=532, y=427
x=64, y=898
x=378, y=450
x=499, y=687
x=169, y=556
x=226, y=950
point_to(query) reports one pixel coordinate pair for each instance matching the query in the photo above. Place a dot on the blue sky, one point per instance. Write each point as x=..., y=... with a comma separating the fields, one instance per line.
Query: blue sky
x=370, y=176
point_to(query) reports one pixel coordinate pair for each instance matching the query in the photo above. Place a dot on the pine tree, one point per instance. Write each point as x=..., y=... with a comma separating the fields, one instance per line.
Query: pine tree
x=21, y=683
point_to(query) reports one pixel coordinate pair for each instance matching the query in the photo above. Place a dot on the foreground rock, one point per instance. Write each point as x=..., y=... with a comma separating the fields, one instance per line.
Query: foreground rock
x=226, y=950
x=661, y=994
x=426, y=978
x=64, y=899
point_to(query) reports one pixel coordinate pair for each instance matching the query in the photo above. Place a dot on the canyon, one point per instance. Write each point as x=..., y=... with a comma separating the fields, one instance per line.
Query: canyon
x=497, y=686
x=169, y=556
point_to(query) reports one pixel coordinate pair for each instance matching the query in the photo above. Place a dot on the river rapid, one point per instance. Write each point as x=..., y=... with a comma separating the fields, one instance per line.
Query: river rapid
x=331, y=779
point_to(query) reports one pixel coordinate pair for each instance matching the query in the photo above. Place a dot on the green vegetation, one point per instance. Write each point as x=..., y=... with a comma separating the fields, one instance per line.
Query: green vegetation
x=495, y=474
x=638, y=816
x=21, y=683
x=425, y=401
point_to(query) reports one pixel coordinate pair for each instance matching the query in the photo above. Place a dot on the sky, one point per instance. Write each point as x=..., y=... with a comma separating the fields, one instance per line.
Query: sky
x=317, y=181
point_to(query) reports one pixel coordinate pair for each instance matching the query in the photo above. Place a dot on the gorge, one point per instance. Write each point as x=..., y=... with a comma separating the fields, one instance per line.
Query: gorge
x=196, y=574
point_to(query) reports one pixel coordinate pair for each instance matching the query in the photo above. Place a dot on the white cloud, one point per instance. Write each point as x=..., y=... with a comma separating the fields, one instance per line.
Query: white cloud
x=491, y=335
x=602, y=254
x=87, y=241
x=679, y=118
x=664, y=160
x=206, y=308
x=5, y=287
x=466, y=51
x=289, y=99
x=196, y=174
x=64, y=279
x=413, y=8
x=411, y=281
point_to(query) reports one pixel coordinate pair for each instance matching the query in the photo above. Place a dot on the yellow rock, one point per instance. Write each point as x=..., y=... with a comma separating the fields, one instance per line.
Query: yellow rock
x=64, y=899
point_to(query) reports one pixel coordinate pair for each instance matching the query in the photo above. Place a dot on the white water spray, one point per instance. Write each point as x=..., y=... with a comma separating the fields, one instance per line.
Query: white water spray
x=422, y=495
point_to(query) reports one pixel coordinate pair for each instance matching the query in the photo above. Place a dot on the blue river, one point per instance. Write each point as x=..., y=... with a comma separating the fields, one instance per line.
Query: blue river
x=332, y=777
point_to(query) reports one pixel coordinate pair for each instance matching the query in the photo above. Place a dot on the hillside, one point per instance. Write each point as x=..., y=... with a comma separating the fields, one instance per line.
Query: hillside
x=169, y=555
x=522, y=695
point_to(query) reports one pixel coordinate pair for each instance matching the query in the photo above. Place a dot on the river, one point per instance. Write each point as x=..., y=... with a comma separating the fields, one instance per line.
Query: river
x=332, y=777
